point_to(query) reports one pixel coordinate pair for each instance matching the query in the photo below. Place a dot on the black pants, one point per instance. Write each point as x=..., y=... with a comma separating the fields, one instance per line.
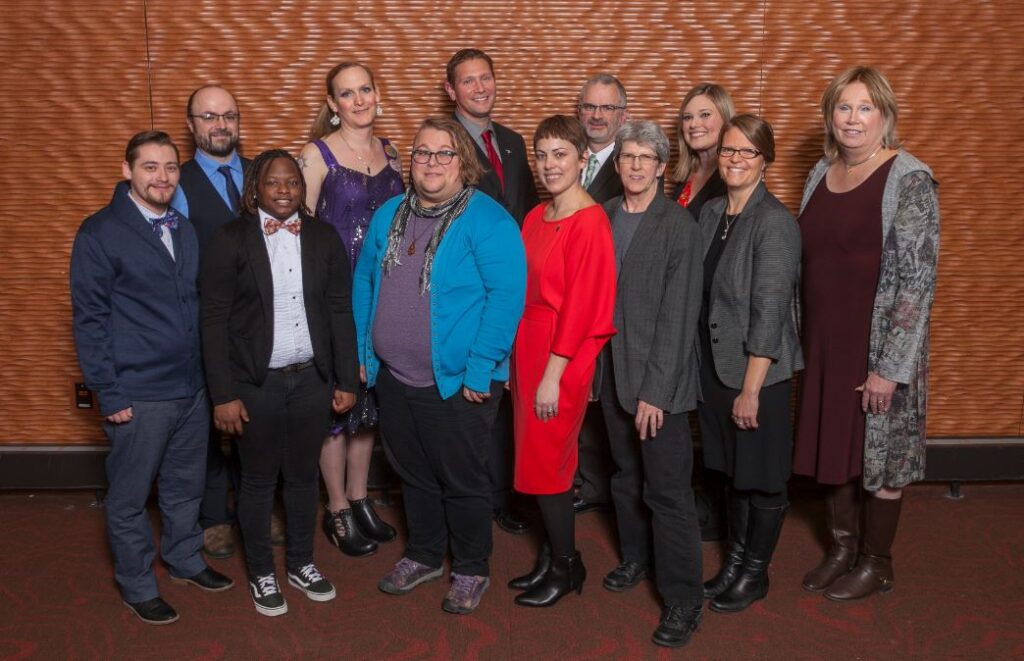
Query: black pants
x=500, y=456
x=440, y=447
x=595, y=464
x=288, y=419
x=655, y=472
x=222, y=475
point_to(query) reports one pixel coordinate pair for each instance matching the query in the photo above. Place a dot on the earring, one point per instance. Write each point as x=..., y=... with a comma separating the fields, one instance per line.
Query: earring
x=380, y=110
x=335, y=120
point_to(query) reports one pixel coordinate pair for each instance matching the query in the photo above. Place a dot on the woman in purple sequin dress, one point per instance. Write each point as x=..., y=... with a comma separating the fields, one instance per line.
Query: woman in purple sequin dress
x=349, y=174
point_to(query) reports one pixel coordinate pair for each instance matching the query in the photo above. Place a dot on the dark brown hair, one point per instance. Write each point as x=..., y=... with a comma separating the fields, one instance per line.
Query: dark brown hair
x=465, y=55
x=131, y=152
x=562, y=127
x=755, y=129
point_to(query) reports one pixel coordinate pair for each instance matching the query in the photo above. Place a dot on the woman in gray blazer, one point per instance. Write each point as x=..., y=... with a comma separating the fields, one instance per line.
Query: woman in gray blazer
x=749, y=351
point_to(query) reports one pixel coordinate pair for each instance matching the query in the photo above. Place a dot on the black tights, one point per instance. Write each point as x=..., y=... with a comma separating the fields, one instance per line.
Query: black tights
x=559, y=522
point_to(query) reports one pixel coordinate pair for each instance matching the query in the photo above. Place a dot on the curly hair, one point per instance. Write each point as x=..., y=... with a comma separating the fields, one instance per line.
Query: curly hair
x=257, y=170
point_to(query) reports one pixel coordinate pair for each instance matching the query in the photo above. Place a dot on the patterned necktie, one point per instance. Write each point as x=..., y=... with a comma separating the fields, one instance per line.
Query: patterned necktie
x=492, y=155
x=588, y=176
x=271, y=225
x=168, y=220
x=233, y=196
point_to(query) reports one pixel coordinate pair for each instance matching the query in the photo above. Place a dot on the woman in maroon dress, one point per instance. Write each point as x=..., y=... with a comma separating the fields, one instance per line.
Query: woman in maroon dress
x=870, y=233
x=570, y=296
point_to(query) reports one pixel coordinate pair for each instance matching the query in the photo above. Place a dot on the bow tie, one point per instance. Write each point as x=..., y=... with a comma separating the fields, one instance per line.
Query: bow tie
x=271, y=225
x=168, y=220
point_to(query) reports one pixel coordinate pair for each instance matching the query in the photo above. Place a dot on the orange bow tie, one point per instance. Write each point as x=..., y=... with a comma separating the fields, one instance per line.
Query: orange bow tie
x=271, y=225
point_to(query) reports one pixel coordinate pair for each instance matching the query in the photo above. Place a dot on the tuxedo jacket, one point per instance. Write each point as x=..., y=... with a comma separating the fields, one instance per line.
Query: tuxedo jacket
x=520, y=193
x=607, y=183
x=237, y=306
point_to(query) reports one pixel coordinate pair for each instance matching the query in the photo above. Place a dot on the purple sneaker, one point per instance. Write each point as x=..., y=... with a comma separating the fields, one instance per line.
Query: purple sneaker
x=406, y=575
x=464, y=595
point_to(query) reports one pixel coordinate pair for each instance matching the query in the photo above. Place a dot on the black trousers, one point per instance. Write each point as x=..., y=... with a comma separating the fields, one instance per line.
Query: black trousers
x=653, y=498
x=288, y=419
x=595, y=463
x=222, y=475
x=500, y=457
x=440, y=448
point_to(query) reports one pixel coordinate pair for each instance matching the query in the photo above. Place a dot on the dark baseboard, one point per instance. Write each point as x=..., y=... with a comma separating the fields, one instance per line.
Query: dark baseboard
x=975, y=459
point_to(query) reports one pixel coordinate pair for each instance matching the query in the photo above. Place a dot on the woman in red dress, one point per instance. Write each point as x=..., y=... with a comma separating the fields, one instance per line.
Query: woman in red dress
x=570, y=294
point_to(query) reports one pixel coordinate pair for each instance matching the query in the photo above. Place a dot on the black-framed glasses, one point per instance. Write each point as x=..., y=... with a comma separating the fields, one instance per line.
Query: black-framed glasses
x=606, y=108
x=745, y=152
x=229, y=117
x=443, y=157
x=644, y=159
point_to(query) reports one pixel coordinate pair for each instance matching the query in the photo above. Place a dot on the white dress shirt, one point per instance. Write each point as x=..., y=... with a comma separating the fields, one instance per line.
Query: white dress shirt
x=165, y=232
x=602, y=156
x=292, y=343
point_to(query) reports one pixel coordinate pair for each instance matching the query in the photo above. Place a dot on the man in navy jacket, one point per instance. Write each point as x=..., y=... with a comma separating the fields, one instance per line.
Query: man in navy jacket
x=134, y=266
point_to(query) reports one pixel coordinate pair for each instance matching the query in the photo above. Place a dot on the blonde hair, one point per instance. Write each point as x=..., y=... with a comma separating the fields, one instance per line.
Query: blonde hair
x=688, y=158
x=322, y=124
x=881, y=95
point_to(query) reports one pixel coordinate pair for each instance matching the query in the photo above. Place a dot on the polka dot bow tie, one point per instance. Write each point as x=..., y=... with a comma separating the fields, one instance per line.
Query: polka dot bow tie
x=271, y=225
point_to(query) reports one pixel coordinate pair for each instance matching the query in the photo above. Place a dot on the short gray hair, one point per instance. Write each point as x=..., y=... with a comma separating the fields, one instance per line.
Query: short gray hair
x=646, y=133
x=605, y=79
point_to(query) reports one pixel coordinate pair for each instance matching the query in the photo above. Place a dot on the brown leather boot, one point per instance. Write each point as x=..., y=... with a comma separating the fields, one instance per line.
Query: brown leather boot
x=873, y=571
x=842, y=517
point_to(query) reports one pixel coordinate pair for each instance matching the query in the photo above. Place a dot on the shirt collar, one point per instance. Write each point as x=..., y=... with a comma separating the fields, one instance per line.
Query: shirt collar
x=604, y=153
x=146, y=212
x=264, y=217
x=474, y=129
x=210, y=164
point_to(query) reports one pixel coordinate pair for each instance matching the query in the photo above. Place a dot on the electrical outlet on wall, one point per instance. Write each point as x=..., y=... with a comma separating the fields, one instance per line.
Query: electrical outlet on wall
x=82, y=396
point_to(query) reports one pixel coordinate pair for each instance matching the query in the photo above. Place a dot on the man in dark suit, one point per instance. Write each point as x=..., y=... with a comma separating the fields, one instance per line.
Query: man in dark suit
x=136, y=327
x=208, y=195
x=602, y=110
x=507, y=178
x=648, y=384
x=280, y=352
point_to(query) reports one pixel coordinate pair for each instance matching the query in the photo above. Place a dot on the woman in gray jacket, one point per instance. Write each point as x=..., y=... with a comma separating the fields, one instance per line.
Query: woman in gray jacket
x=749, y=351
x=870, y=224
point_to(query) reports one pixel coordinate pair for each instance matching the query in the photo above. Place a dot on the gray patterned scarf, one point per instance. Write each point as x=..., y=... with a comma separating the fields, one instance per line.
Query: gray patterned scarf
x=447, y=212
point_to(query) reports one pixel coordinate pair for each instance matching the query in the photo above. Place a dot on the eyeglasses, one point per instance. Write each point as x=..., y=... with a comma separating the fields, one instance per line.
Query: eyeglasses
x=607, y=108
x=229, y=117
x=443, y=157
x=645, y=159
x=746, y=152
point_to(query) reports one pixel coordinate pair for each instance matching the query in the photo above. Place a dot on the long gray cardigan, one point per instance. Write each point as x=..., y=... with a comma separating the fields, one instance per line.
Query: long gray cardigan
x=657, y=304
x=894, y=442
x=753, y=298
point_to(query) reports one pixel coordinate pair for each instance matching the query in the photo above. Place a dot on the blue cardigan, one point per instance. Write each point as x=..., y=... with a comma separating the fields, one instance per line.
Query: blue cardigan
x=135, y=310
x=477, y=293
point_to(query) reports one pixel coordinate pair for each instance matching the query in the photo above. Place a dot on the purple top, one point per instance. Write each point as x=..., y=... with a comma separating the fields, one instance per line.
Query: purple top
x=348, y=198
x=401, y=325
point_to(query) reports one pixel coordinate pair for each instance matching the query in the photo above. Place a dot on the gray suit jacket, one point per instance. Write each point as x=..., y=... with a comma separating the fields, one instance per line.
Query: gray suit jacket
x=657, y=304
x=752, y=307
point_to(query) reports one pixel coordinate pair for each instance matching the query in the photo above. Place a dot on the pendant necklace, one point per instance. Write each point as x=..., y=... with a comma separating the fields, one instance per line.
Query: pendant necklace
x=729, y=220
x=415, y=237
x=850, y=166
x=356, y=154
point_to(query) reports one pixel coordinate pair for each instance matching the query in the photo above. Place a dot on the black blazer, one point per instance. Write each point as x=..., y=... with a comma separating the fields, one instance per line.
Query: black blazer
x=607, y=183
x=657, y=304
x=714, y=187
x=520, y=194
x=237, y=307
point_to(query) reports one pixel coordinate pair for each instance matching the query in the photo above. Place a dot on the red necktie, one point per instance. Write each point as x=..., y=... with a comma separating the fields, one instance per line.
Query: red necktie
x=271, y=225
x=492, y=155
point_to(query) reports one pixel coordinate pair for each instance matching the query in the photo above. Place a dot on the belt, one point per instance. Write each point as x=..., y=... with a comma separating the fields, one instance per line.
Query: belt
x=294, y=367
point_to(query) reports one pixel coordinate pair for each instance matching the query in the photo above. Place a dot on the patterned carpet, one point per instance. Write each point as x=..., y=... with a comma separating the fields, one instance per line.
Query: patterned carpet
x=959, y=594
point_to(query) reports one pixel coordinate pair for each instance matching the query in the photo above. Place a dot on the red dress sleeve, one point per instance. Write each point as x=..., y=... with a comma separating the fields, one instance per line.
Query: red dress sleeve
x=589, y=299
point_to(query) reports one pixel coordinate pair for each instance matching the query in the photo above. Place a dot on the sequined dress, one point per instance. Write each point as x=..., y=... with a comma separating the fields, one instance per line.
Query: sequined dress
x=348, y=200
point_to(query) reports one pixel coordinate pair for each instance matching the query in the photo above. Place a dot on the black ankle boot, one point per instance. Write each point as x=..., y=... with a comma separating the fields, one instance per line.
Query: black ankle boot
x=566, y=574
x=369, y=523
x=340, y=527
x=738, y=507
x=752, y=582
x=536, y=575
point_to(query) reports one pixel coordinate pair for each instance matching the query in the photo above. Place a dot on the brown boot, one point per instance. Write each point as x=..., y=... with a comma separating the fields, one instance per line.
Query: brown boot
x=218, y=542
x=873, y=572
x=842, y=517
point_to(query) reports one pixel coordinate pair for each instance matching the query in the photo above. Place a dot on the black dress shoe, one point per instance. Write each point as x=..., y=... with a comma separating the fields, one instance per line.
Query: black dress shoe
x=153, y=611
x=210, y=580
x=678, y=624
x=511, y=522
x=582, y=505
x=625, y=576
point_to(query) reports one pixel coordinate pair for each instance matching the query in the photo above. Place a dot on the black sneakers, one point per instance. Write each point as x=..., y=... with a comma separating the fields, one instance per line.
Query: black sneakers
x=266, y=596
x=311, y=581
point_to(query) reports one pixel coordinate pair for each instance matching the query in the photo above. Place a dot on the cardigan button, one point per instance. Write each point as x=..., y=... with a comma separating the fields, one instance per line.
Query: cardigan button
x=714, y=340
x=714, y=325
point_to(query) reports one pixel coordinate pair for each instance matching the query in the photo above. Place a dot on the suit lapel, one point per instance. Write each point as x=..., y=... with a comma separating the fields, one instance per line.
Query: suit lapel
x=259, y=262
x=306, y=255
x=128, y=213
x=643, y=239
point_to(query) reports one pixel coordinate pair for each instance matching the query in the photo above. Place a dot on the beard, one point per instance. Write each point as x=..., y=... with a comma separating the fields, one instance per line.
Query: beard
x=219, y=142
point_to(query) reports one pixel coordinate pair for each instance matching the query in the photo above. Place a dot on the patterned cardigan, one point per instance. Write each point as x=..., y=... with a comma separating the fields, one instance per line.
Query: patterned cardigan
x=894, y=442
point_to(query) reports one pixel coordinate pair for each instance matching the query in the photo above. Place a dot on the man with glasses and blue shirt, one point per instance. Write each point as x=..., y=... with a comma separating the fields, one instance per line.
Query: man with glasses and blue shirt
x=208, y=196
x=135, y=308
x=602, y=110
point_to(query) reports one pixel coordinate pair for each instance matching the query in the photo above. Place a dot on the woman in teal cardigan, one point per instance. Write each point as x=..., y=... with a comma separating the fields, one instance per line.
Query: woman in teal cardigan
x=437, y=296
